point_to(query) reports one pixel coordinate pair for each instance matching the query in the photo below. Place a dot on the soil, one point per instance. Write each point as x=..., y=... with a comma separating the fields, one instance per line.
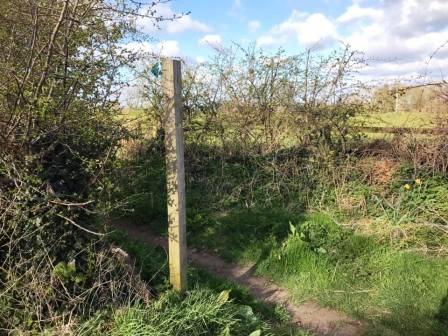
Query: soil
x=310, y=315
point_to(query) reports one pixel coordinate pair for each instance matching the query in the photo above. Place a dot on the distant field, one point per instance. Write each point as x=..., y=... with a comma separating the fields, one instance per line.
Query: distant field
x=139, y=120
x=399, y=119
x=132, y=115
x=386, y=119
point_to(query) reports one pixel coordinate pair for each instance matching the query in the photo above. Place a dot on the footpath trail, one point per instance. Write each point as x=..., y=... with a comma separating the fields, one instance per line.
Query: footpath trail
x=323, y=321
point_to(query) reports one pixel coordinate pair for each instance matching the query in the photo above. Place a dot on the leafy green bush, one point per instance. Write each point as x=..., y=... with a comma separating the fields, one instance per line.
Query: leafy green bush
x=58, y=136
x=320, y=233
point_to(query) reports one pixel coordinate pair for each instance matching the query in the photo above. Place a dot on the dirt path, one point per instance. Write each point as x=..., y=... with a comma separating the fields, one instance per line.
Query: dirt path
x=323, y=321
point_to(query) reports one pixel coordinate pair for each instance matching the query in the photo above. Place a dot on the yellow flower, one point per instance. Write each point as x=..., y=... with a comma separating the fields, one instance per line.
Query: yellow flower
x=407, y=186
x=418, y=181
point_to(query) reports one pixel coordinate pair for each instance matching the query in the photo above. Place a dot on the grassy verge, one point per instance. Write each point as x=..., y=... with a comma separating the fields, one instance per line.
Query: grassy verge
x=212, y=307
x=392, y=289
x=364, y=256
x=396, y=291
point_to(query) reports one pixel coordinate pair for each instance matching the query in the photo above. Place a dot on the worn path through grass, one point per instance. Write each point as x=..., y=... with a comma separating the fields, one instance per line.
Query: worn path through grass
x=308, y=314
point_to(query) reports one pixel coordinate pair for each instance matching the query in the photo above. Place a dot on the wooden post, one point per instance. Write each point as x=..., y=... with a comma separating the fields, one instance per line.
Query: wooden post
x=174, y=146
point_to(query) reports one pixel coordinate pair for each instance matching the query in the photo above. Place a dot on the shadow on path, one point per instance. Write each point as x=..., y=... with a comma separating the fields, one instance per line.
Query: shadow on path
x=323, y=321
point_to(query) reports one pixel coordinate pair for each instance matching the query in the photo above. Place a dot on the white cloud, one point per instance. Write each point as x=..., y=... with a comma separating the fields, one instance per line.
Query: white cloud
x=268, y=41
x=292, y=23
x=316, y=29
x=169, y=48
x=211, y=40
x=178, y=25
x=310, y=30
x=355, y=12
x=254, y=26
x=397, y=35
x=186, y=23
x=400, y=29
x=413, y=70
x=200, y=60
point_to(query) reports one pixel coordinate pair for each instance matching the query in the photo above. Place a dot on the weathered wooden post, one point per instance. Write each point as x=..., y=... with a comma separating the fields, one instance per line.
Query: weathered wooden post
x=174, y=146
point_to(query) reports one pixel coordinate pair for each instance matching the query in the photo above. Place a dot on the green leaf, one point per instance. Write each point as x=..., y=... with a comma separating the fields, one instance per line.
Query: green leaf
x=247, y=313
x=226, y=331
x=321, y=250
x=79, y=278
x=256, y=333
x=64, y=271
x=224, y=296
x=293, y=229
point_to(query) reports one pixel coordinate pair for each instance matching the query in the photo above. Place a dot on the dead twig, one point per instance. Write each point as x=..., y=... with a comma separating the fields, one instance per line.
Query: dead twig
x=79, y=226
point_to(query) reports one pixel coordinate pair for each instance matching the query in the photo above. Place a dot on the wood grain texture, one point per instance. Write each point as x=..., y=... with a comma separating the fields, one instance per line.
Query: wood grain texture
x=174, y=145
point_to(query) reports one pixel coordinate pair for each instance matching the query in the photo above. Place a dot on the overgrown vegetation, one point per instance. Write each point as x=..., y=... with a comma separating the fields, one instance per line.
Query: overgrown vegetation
x=212, y=307
x=355, y=223
x=277, y=174
x=399, y=292
x=57, y=139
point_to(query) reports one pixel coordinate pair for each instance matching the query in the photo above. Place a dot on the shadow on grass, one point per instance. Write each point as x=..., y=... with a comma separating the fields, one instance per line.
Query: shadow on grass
x=408, y=319
x=442, y=315
x=241, y=234
x=414, y=292
x=399, y=293
x=152, y=264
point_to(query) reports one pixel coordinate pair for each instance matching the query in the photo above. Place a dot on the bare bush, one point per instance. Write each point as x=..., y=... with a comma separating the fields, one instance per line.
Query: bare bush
x=260, y=101
x=283, y=116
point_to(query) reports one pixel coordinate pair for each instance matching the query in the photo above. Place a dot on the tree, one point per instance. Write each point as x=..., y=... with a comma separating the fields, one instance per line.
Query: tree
x=61, y=66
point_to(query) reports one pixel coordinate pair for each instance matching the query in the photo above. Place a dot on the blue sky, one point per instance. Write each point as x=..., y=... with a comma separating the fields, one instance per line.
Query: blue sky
x=397, y=36
x=245, y=20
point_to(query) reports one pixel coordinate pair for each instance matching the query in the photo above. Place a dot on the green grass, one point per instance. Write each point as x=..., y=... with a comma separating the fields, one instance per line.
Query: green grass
x=392, y=289
x=204, y=311
x=398, y=119
x=398, y=291
x=373, y=278
x=200, y=312
x=240, y=234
